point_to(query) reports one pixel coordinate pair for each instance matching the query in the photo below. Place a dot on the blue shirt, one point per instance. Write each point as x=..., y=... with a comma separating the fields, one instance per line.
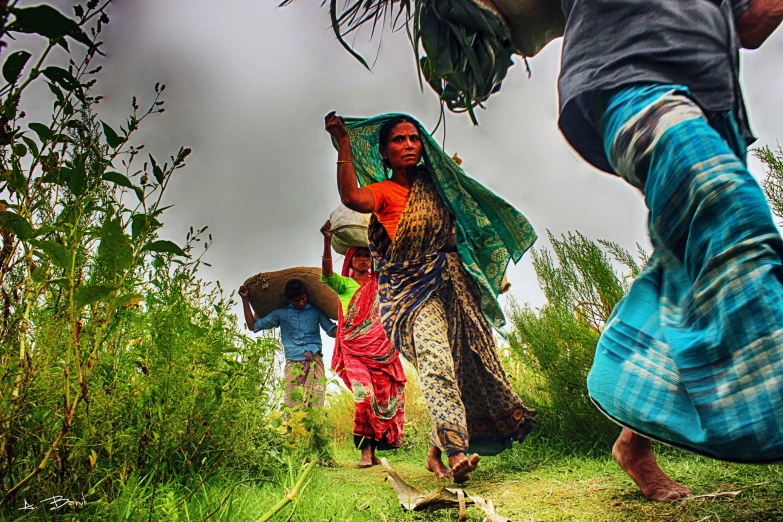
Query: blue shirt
x=298, y=329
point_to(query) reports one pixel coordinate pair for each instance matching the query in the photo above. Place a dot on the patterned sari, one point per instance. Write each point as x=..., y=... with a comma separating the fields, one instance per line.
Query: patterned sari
x=371, y=368
x=415, y=272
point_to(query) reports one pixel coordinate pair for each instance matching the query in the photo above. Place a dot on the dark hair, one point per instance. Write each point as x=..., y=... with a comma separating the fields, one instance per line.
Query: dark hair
x=294, y=288
x=386, y=128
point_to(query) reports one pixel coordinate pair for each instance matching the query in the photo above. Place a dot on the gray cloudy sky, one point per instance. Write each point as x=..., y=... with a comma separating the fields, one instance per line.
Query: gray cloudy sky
x=248, y=85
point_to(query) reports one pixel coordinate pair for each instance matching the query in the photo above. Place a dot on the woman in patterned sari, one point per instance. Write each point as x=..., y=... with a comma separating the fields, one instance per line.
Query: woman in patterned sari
x=363, y=357
x=433, y=284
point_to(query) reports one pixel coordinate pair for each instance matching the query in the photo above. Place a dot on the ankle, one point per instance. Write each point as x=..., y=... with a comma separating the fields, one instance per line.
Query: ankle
x=457, y=457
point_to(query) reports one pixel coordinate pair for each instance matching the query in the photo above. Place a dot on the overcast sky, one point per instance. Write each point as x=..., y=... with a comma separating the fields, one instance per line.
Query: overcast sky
x=248, y=85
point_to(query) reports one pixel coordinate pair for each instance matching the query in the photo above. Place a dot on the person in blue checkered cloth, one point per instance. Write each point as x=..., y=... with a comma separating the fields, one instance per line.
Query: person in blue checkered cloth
x=693, y=355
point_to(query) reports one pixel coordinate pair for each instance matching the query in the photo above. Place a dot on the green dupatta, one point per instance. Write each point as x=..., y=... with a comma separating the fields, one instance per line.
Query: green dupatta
x=489, y=231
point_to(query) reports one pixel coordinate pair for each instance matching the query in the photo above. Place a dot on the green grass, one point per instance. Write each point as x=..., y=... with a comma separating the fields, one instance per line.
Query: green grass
x=538, y=481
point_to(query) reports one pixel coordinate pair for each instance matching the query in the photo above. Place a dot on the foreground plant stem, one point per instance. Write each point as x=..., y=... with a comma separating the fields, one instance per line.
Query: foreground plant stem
x=291, y=494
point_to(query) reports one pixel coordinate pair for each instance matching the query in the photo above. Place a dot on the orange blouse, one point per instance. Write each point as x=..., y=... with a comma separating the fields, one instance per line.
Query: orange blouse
x=390, y=199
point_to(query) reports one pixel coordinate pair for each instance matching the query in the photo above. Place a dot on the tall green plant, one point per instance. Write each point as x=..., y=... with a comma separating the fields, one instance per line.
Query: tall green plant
x=555, y=345
x=773, y=183
x=116, y=359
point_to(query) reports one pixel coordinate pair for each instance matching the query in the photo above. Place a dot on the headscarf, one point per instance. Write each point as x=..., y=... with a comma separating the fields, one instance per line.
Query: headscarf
x=489, y=231
x=347, y=262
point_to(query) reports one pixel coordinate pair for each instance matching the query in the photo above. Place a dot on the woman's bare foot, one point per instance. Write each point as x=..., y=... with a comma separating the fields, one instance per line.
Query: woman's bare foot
x=367, y=458
x=435, y=464
x=634, y=454
x=462, y=465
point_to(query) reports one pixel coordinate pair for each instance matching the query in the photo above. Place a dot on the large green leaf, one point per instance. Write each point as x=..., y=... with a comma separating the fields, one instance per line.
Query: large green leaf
x=141, y=223
x=14, y=64
x=156, y=170
x=16, y=224
x=118, y=179
x=61, y=77
x=31, y=145
x=139, y=193
x=55, y=252
x=127, y=300
x=44, y=133
x=47, y=21
x=111, y=136
x=89, y=294
x=115, y=251
x=17, y=181
x=164, y=246
x=77, y=182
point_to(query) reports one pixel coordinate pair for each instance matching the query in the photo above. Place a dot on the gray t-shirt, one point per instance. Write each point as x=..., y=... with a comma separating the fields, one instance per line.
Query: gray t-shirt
x=610, y=44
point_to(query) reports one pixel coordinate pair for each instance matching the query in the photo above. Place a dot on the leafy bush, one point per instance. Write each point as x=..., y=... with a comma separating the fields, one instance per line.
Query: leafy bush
x=773, y=183
x=116, y=360
x=553, y=347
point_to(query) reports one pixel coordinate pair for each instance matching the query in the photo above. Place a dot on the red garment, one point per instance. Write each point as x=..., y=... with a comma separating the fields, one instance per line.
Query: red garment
x=390, y=200
x=370, y=366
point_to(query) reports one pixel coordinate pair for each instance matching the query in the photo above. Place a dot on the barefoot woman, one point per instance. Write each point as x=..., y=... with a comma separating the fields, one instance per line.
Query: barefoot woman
x=433, y=287
x=363, y=357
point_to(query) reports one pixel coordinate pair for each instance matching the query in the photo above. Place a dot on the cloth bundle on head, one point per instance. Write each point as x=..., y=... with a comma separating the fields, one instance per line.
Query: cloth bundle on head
x=489, y=231
x=349, y=229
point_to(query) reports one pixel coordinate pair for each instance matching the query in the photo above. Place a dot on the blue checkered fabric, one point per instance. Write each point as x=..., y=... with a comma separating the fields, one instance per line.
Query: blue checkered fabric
x=693, y=355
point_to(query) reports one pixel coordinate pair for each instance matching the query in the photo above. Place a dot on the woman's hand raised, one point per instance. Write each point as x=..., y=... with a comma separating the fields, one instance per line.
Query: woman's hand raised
x=326, y=230
x=335, y=126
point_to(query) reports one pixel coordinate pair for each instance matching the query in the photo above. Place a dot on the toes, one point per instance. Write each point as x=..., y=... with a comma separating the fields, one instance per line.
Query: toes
x=684, y=491
x=665, y=494
x=473, y=461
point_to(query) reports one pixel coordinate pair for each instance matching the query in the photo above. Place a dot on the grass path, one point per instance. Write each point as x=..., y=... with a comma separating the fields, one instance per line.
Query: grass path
x=530, y=483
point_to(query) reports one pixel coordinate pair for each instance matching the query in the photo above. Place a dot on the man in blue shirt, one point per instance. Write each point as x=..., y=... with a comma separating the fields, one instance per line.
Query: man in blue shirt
x=299, y=323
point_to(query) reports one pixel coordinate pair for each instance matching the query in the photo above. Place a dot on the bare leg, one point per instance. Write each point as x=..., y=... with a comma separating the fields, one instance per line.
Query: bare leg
x=435, y=464
x=375, y=460
x=634, y=454
x=461, y=465
x=367, y=456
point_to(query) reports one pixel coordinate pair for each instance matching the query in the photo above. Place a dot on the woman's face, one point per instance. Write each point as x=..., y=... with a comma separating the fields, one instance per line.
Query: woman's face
x=361, y=261
x=403, y=150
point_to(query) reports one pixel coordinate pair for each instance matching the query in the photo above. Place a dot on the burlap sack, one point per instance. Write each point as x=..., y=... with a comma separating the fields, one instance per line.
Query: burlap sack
x=266, y=291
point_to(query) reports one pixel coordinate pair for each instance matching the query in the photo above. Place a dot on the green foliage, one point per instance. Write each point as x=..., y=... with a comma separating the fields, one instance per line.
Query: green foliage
x=773, y=184
x=467, y=45
x=120, y=369
x=553, y=347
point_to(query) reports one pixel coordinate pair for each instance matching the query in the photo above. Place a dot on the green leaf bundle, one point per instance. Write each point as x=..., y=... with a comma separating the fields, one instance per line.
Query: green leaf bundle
x=466, y=45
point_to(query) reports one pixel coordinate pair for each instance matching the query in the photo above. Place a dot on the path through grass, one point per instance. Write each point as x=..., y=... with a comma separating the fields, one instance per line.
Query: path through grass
x=533, y=483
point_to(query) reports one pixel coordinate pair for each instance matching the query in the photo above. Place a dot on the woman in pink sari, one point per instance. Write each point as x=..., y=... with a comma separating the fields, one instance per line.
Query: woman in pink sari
x=363, y=357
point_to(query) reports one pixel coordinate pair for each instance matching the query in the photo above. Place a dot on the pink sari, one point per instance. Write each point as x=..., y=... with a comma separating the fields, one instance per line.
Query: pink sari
x=370, y=367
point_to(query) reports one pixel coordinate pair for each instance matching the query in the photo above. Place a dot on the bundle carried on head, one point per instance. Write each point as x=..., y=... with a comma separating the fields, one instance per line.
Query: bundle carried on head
x=267, y=290
x=467, y=46
x=468, y=51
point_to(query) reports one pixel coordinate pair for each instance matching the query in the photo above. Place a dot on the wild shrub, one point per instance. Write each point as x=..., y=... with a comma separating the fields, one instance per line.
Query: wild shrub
x=773, y=182
x=552, y=348
x=116, y=360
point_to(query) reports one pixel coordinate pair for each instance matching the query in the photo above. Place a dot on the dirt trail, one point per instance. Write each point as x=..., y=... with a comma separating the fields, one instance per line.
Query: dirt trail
x=578, y=489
